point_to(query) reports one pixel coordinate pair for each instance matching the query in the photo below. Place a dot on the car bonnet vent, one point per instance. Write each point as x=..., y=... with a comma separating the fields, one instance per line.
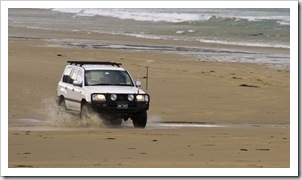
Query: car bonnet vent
x=81, y=63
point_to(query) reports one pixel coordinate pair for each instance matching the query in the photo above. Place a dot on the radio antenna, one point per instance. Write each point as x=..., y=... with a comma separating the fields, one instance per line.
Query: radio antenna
x=146, y=77
x=138, y=80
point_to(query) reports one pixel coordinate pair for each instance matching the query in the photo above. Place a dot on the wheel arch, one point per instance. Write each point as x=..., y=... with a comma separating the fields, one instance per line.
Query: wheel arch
x=60, y=99
x=83, y=101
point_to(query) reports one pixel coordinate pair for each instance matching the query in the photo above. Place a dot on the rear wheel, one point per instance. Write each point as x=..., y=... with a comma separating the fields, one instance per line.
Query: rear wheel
x=140, y=120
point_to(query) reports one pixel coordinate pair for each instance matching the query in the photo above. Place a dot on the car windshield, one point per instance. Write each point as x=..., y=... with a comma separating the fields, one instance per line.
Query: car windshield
x=107, y=77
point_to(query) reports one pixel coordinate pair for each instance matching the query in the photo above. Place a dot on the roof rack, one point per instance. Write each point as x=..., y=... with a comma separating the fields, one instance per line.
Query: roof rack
x=81, y=63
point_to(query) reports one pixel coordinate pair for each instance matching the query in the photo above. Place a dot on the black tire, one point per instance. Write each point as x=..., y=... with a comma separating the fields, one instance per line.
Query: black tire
x=140, y=120
x=62, y=107
x=85, y=112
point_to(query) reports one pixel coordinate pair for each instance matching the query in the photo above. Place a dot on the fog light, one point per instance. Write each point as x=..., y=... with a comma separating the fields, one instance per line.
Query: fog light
x=113, y=97
x=130, y=97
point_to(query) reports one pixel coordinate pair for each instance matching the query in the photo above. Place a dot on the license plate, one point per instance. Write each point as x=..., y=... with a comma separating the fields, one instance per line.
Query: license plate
x=122, y=106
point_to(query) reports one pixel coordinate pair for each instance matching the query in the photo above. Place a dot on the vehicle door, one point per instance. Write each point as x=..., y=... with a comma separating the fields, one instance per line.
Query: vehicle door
x=71, y=99
x=66, y=85
x=77, y=89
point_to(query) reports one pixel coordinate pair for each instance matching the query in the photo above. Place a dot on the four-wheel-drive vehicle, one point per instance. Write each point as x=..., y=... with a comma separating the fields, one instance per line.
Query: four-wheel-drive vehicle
x=104, y=88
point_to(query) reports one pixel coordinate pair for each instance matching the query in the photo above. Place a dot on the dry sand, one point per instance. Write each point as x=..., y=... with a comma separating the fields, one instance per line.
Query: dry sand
x=251, y=100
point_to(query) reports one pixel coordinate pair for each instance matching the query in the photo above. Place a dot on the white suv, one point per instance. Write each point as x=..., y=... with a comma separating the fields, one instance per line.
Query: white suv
x=105, y=88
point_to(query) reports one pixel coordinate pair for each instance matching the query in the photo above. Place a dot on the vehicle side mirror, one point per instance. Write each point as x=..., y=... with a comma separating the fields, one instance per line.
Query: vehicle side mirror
x=77, y=83
x=138, y=83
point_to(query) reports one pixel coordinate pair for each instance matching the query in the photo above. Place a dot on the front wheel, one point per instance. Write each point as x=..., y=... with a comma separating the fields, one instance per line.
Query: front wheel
x=140, y=120
x=85, y=112
x=62, y=107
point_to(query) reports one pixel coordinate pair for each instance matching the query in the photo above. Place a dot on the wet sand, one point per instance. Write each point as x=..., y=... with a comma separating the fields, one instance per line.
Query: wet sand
x=248, y=103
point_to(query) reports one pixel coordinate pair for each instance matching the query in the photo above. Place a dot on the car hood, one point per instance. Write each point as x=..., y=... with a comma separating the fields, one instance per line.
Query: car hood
x=114, y=89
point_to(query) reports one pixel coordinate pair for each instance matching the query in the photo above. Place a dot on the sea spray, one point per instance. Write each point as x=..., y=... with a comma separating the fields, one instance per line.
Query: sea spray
x=154, y=118
x=57, y=117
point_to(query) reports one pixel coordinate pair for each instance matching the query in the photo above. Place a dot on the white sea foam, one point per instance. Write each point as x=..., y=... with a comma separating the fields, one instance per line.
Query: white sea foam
x=245, y=43
x=68, y=10
x=141, y=15
x=179, y=15
x=145, y=36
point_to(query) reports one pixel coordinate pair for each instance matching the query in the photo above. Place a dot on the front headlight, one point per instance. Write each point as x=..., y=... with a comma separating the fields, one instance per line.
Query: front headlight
x=141, y=97
x=98, y=97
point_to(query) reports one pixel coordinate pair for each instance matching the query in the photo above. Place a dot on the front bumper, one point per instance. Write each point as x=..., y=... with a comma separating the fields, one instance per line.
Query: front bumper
x=121, y=105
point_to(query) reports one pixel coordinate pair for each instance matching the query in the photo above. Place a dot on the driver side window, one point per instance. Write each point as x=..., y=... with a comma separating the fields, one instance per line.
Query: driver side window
x=80, y=76
x=73, y=75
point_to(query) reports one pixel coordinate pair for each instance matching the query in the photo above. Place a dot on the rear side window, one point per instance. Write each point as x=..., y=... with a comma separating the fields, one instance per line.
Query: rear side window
x=66, y=75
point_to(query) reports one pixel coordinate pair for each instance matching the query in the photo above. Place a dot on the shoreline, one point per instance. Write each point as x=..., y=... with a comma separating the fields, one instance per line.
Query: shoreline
x=198, y=50
x=77, y=34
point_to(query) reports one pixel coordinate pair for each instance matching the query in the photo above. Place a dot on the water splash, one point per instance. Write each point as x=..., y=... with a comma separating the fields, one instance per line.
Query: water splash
x=56, y=117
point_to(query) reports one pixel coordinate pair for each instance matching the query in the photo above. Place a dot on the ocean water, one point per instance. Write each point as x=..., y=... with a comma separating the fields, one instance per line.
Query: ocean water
x=267, y=28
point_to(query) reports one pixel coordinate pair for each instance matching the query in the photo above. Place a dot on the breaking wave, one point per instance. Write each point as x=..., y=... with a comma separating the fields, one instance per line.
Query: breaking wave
x=183, y=15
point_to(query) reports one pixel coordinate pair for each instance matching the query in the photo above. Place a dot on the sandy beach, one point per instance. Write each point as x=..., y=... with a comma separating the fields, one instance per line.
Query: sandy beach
x=202, y=114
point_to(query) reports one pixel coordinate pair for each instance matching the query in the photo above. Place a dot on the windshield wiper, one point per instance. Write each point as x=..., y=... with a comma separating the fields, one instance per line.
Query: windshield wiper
x=107, y=84
x=102, y=84
x=124, y=84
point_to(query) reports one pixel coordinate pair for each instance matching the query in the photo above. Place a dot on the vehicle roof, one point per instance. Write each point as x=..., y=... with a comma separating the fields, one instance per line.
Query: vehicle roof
x=100, y=67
